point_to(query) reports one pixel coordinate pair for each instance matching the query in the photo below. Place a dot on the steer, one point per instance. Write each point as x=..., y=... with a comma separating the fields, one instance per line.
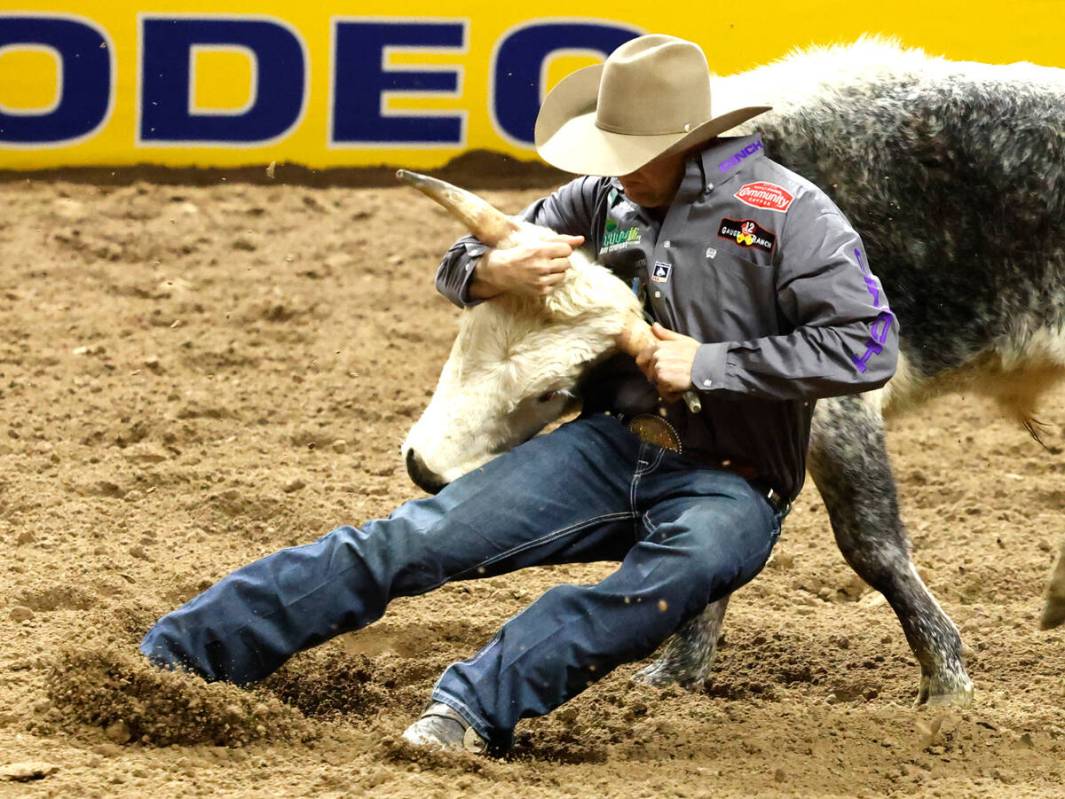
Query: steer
x=954, y=173
x=516, y=360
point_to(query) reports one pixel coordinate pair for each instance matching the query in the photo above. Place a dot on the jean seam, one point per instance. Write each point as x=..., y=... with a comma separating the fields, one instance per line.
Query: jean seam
x=546, y=539
x=640, y=472
x=770, y=543
x=651, y=464
x=649, y=524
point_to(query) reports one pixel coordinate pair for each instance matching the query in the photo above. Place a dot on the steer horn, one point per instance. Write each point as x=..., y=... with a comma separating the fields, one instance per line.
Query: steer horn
x=480, y=217
x=635, y=337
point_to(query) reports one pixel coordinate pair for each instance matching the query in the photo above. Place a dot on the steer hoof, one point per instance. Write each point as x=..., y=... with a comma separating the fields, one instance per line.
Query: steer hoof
x=1053, y=614
x=661, y=673
x=1054, y=611
x=939, y=690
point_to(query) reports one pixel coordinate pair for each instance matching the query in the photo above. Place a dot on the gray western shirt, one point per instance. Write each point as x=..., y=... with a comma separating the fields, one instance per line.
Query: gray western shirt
x=757, y=264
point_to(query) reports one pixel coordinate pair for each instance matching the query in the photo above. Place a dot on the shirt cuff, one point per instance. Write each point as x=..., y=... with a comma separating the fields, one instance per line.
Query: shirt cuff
x=474, y=251
x=708, y=369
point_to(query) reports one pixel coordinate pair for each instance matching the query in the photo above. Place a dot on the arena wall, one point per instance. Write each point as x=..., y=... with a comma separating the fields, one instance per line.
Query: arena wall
x=182, y=83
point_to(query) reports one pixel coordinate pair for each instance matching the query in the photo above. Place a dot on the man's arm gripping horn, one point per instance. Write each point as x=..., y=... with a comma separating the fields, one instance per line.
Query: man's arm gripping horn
x=494, y=228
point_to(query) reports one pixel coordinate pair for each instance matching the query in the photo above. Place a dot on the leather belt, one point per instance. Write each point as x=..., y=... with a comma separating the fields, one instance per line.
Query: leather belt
x=656, y=430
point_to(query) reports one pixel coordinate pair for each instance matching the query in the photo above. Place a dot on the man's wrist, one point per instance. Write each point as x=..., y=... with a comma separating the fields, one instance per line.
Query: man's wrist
x=485, y=282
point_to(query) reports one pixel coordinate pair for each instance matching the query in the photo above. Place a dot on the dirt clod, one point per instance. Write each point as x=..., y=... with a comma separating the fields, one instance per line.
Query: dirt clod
x=20, y=614
x=27, y=771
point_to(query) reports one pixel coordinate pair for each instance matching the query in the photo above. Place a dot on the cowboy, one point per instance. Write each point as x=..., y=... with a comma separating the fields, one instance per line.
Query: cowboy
x=759, y=290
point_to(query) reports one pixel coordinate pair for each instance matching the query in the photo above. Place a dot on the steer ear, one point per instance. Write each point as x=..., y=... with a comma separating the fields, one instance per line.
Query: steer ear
x=480, y=217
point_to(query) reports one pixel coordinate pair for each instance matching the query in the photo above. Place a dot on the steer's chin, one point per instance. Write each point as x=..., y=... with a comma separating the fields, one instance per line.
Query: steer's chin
x=422, y=476
x=432, y=481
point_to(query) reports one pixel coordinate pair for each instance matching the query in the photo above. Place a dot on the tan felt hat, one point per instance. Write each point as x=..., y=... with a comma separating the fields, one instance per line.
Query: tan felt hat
x=650, y=96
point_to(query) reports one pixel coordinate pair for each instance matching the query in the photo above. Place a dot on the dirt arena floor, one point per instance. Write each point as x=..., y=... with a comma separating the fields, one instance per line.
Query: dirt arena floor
x=194, y=377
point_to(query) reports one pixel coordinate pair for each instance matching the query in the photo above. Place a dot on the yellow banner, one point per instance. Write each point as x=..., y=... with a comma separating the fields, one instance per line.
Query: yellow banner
x=355, y=84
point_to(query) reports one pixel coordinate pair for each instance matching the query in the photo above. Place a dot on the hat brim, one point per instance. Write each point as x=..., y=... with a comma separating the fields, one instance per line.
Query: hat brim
x=567, y=137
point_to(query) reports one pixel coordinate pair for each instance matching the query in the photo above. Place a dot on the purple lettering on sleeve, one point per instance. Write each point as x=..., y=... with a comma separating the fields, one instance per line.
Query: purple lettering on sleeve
x=736, y=158
x=873, y=289
x=860, y=260
x=878, y=330
x=872, y=348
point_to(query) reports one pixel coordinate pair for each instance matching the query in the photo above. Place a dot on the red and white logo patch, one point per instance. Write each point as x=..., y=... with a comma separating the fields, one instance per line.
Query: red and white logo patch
x=765, y=195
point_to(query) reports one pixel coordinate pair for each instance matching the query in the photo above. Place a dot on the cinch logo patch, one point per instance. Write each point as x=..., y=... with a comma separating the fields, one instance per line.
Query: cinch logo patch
x=737, y=157
x=765, y=195
x=660, y=274
x=615, y=237
x=747, y=233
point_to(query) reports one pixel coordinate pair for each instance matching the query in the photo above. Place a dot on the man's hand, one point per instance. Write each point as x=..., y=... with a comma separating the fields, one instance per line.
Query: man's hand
x=668, y=362
x=531, y=268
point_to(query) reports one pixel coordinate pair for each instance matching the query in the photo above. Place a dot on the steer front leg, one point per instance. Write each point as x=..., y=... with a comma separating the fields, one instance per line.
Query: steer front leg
x=686, y=658
x=849, y=463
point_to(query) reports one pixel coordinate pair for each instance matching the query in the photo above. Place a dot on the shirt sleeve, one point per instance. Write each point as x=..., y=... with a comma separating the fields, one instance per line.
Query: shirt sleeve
x=570, y=209
x=844, y=337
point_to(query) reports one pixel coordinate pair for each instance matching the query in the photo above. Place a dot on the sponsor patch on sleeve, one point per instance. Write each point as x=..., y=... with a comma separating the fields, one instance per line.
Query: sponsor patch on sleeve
x=763, y=194
x=747, y=233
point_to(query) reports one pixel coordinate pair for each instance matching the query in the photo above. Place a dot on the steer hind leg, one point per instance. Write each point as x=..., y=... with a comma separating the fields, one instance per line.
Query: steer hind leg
x=687, y=657
x=849, y=463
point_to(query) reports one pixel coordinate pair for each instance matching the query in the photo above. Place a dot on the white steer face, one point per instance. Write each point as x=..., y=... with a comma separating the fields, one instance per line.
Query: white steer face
x=502, y=383
x=516, y=360
x=513, y=369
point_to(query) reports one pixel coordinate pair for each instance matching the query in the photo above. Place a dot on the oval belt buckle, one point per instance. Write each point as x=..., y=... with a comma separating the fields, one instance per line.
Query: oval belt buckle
x=656, y=430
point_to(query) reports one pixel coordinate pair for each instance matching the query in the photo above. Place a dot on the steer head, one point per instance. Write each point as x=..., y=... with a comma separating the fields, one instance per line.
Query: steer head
x=516, y=360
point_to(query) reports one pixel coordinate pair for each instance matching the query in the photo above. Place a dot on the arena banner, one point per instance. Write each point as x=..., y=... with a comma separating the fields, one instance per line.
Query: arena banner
x=235, y=82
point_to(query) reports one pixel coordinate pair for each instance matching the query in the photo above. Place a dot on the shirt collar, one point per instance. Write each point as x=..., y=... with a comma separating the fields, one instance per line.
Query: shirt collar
x=719, y=160
x=690, y=184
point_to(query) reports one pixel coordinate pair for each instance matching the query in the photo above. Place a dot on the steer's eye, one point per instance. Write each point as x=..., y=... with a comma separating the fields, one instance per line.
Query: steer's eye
x=547, y=396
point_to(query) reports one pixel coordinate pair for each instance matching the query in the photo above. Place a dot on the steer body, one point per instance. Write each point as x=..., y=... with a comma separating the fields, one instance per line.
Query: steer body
x=954, y=174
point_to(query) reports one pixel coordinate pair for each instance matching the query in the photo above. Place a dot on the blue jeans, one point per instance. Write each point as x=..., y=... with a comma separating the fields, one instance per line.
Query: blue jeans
x=685, y=536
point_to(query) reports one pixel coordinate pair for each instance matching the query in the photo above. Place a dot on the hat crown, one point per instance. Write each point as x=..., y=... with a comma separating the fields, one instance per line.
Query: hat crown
x=654, y=85
x=650, y=97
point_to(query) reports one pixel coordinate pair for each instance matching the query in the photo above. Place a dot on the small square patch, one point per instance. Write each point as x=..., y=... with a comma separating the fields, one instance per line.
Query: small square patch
x=660, y=273
x=711, y=253
x=747, y=234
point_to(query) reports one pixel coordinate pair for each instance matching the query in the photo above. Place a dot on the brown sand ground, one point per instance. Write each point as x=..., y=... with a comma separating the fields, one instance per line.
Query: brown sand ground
x=194, y=377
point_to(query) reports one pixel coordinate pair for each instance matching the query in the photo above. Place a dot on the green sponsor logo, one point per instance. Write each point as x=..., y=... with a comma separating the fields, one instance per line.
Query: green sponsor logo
x=614, y=236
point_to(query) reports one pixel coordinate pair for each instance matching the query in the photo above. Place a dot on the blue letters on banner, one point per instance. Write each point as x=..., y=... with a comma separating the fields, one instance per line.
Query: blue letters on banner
x=278, y=90
x=360, y=81
x=517, y=70
x=85, y=79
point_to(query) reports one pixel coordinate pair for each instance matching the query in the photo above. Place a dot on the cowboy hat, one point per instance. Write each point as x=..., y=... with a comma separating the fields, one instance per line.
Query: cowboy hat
x=650, y=96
